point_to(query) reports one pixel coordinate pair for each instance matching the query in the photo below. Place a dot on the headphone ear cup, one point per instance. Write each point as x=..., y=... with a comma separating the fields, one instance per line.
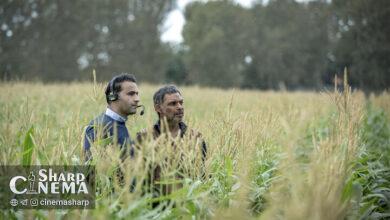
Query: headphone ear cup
x=112, y=97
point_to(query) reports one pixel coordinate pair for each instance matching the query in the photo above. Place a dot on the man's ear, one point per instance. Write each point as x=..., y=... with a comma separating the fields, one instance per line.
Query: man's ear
x=157, y=108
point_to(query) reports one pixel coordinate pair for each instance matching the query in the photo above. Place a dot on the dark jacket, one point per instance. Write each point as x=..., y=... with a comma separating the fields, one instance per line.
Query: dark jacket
x=155, y=170
x=106, y=127
x=183, y=128
x=110, y=131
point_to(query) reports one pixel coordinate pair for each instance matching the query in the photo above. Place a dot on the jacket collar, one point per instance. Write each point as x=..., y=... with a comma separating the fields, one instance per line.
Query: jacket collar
x=110, y=113
x=157, y=128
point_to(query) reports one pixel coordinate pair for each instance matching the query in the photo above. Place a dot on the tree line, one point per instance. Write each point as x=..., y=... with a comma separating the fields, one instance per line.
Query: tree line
x=273, y=45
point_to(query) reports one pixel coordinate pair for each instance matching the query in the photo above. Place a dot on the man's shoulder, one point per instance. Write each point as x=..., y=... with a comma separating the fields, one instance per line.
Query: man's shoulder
x=192, y=132
x=145, y=133
x=101, y=120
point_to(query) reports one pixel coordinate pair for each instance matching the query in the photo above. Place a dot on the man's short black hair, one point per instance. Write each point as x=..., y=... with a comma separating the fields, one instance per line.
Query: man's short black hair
x=158, y=96
x=117, y=82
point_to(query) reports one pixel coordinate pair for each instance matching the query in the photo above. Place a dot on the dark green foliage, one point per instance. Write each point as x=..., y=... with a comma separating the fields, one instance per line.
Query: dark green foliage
x=64, y=40
x=277, y=45
x=216, y=34
x=362, y=28
x=176, y=70
x=224, y=181
x=290, y=45
x=371, y=176
x=264, y=173
x=376, y=134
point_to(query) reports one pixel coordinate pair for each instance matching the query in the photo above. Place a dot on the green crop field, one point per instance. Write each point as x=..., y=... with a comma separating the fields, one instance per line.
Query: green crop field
x=271, y=155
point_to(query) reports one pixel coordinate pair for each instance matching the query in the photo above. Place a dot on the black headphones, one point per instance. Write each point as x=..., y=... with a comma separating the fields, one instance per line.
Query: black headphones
x=112, y=95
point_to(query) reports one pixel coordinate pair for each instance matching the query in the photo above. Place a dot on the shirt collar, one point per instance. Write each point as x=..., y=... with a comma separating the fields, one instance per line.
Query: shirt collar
x=110, y=113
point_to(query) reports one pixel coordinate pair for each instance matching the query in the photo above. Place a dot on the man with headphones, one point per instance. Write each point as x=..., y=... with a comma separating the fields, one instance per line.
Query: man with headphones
x=122, y=97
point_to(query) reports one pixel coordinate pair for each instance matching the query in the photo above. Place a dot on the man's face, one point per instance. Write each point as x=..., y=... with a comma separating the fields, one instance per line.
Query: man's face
x=128, y=98
x=172, y=108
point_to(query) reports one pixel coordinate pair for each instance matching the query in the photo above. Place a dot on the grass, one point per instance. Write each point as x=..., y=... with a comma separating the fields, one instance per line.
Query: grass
x=271, y=155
